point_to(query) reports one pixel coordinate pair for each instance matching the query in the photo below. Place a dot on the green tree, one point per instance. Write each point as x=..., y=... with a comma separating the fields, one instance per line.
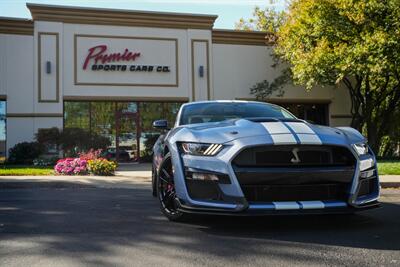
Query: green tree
x=268, y=19
x=355, y=43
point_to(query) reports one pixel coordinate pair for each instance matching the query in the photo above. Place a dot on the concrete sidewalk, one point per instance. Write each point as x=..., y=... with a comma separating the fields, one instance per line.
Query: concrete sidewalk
x=126, y=176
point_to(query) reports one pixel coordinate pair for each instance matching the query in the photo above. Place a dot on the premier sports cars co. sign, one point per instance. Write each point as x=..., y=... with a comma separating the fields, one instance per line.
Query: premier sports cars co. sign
x=130, y=61
x=103, y=61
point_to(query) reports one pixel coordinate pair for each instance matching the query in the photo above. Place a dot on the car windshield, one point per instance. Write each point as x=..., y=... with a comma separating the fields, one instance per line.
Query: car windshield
x=220, y=111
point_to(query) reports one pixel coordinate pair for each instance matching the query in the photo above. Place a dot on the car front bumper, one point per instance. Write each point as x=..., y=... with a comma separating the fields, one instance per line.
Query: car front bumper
x=270, y=209
x=233, y=200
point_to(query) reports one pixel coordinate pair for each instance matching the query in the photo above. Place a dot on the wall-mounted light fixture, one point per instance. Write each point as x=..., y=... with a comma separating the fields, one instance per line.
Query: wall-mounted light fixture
x=201, y=71
x=48, y=67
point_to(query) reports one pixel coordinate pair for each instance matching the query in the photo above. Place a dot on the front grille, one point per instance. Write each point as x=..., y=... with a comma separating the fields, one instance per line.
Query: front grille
x=269, y=193
x=294, y=172
x=294, y=156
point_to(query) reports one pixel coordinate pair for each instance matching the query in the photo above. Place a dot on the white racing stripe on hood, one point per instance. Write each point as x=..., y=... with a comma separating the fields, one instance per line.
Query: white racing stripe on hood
x=309, y=139
x=279, y=133
x=304, y=133
x=283, y=139
x=276, y=127
x=300, y=127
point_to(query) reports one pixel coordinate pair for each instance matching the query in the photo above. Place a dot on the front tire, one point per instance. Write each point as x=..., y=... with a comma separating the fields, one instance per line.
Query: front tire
x=166, y=191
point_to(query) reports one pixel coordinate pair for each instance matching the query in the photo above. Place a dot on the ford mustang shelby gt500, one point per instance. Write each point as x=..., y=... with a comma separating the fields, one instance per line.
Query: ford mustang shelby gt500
x=241, y=158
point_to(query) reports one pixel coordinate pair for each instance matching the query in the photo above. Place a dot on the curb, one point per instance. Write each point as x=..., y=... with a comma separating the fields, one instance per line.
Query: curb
x=390, y=184
x=46, y=184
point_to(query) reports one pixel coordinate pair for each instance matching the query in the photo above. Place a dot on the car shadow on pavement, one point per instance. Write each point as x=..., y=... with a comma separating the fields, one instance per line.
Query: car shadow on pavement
x=362, y=230
x=92, y=222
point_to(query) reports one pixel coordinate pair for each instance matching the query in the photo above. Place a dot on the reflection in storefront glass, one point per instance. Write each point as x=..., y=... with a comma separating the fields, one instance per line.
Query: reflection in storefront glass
x=102, y=122
x=127, y=131
x=76, y=115
x=149, y=112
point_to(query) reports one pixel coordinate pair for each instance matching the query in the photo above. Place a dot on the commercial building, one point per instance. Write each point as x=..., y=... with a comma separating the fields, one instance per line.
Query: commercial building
x=112, y=72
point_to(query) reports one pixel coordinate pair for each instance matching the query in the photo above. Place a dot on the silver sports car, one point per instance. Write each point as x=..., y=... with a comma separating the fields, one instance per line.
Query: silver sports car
x=249, y=158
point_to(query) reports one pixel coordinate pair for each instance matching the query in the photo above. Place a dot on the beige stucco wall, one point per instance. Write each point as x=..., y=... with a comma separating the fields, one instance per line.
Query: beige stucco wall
x=16, y=83
x=16, y=72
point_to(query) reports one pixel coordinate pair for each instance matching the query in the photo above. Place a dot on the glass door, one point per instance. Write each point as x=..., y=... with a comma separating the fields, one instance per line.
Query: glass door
x=127, y=132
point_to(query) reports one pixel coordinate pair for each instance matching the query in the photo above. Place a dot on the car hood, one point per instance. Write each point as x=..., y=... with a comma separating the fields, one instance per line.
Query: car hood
x=274, y=131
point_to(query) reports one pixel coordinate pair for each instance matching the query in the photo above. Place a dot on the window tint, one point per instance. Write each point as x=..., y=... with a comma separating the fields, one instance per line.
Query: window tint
x=214, y=112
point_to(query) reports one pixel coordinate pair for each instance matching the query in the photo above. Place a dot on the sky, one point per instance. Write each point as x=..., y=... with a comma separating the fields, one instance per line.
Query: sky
x=228, y=11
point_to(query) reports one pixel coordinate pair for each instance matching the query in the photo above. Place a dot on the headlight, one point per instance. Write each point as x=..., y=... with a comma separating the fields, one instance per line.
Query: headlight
x=361, y=148
x=200, y=149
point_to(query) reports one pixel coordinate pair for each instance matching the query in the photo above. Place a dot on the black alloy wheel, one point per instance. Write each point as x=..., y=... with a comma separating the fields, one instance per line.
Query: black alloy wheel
x=166, y=190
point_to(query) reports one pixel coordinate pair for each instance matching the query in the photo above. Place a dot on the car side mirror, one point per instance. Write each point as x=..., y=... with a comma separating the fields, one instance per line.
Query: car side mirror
x=160, y=124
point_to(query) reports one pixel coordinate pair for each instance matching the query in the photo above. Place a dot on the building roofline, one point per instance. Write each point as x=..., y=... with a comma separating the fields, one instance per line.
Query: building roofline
x=105, y=16
x=10, y=25
x=120, y=17
x=240, y=37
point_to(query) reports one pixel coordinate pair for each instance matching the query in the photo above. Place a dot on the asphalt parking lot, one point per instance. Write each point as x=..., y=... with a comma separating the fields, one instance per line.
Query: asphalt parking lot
x=123, y=227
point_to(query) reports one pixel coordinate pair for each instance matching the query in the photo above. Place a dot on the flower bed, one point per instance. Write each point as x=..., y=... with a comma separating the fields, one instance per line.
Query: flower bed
x=71, y=166
x=87, y=163
x=102, y=166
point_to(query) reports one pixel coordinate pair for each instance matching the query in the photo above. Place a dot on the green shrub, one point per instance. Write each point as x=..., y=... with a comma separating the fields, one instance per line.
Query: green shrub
x=45, y=161
x=25, y=152
x=76, y=140
x=102, y=167
x=49, y=136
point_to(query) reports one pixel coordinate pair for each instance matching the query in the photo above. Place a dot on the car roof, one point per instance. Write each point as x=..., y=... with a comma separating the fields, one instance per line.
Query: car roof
x=226, y=101
x=222, y=101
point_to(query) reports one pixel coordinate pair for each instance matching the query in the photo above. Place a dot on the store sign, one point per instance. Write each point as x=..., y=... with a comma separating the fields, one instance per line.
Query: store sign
x=127, y=61
x=99, y=56
x=102, y=61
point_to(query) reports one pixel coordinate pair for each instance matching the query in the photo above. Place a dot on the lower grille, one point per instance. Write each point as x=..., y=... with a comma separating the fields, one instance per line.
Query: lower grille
x=203, y=190
x=367, y=186
x=270, y=193
x=295, y=184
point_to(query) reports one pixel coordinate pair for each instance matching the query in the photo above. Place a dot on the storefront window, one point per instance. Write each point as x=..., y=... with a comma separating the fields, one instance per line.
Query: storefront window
x=102, y=123
x=127, y=131
x=76, y=115
x=128, y=125
x=149, y=112
x=171, y=112
x=2, y=131
x=316, y=113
